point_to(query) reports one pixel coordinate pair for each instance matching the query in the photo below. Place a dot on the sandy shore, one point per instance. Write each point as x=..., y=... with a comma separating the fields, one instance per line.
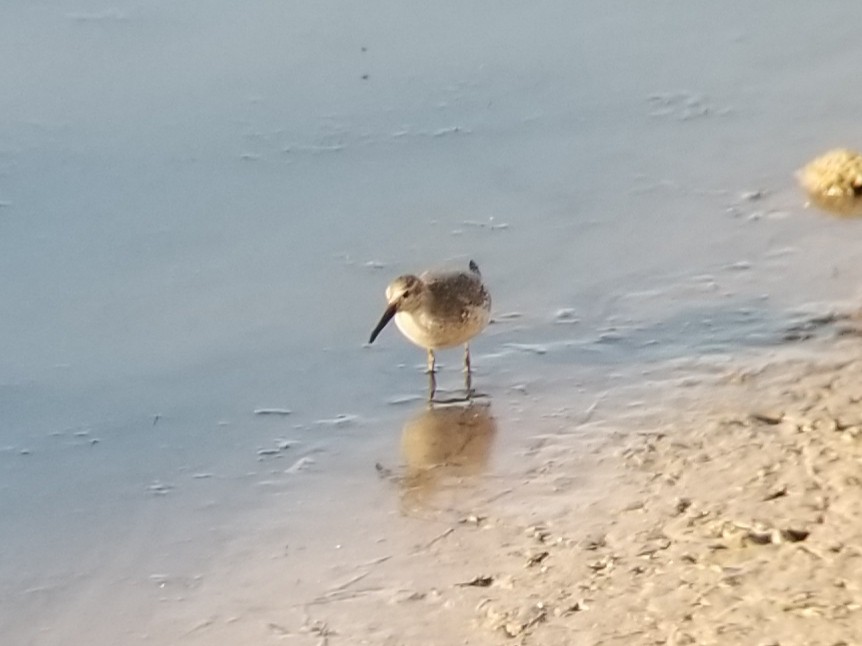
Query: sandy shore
x=726, y=514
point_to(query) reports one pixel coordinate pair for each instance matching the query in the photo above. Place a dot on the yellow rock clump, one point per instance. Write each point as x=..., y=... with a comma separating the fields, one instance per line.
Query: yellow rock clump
x=834, y=181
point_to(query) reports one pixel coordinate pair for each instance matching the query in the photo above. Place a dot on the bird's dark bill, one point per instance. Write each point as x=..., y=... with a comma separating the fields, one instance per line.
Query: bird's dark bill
x=387, y=316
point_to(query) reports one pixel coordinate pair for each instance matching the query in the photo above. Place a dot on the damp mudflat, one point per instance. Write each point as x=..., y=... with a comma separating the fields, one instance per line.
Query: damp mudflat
x=201, y=206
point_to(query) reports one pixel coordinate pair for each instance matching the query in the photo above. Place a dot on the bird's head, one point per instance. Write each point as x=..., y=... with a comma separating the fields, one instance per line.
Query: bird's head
x=404, y=294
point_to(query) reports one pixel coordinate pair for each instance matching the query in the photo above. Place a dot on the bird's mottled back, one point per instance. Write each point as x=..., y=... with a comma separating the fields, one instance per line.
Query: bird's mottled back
x=453, y=295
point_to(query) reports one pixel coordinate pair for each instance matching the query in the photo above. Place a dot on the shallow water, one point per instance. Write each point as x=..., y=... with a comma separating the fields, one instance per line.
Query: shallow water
x=200, y=209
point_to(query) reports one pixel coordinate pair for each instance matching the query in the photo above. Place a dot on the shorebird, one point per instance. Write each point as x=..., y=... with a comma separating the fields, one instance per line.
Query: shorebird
x=438, y=310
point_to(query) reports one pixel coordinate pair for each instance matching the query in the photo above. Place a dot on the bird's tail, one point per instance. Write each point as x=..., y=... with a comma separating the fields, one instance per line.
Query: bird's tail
x=475, y=268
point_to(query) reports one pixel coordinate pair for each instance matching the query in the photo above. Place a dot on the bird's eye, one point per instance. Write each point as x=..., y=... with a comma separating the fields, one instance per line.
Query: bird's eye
x=406, y=294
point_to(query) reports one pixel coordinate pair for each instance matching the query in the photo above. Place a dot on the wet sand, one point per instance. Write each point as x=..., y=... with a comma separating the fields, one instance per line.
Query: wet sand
x=726, y=513
x=718, y=507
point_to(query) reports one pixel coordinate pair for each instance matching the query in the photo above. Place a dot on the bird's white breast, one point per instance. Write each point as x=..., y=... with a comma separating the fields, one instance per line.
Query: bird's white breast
x=427, y=332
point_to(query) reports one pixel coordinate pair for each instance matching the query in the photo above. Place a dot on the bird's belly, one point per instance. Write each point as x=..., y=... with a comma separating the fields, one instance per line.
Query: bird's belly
x=430, y=333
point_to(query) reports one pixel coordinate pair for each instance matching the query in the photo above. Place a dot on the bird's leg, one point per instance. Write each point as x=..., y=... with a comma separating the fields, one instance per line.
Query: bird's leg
x=432, y=378
x=468, y=371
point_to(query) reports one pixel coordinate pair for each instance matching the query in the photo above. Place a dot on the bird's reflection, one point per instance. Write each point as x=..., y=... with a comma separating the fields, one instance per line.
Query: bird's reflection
x=443, y=443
